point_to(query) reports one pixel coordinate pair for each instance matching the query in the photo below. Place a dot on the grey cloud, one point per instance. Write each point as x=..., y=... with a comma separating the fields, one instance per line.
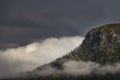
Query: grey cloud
x=22, y=36
x=56, y=18
x=24, y=21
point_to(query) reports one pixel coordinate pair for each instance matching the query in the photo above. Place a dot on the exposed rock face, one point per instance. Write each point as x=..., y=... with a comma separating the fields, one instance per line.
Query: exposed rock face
x=102, y=44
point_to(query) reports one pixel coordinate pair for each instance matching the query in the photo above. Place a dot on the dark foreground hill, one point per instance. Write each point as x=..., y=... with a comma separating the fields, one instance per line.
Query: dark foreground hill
x=101, y=45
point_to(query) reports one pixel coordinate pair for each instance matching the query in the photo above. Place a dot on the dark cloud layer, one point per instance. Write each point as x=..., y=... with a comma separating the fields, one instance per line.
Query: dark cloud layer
x=22, y=21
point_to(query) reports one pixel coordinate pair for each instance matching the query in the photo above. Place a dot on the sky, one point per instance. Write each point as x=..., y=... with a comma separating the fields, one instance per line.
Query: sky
x=26, y=21
x=35, y=32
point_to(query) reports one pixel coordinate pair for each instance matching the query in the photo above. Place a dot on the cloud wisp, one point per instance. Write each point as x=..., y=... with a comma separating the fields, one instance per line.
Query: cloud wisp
x=79, y=68
x=26, y=58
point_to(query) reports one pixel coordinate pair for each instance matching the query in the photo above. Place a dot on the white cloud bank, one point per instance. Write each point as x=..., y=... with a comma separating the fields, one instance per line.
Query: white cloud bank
x=22, y=59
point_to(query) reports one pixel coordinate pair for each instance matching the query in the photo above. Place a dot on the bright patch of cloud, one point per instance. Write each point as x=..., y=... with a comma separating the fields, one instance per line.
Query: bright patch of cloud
x=22, y=59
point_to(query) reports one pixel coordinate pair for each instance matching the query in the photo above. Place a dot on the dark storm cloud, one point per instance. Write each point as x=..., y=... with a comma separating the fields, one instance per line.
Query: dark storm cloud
x=22, y=21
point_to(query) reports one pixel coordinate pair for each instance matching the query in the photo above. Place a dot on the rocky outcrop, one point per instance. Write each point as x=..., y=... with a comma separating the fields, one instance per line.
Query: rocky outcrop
x=101, y=44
